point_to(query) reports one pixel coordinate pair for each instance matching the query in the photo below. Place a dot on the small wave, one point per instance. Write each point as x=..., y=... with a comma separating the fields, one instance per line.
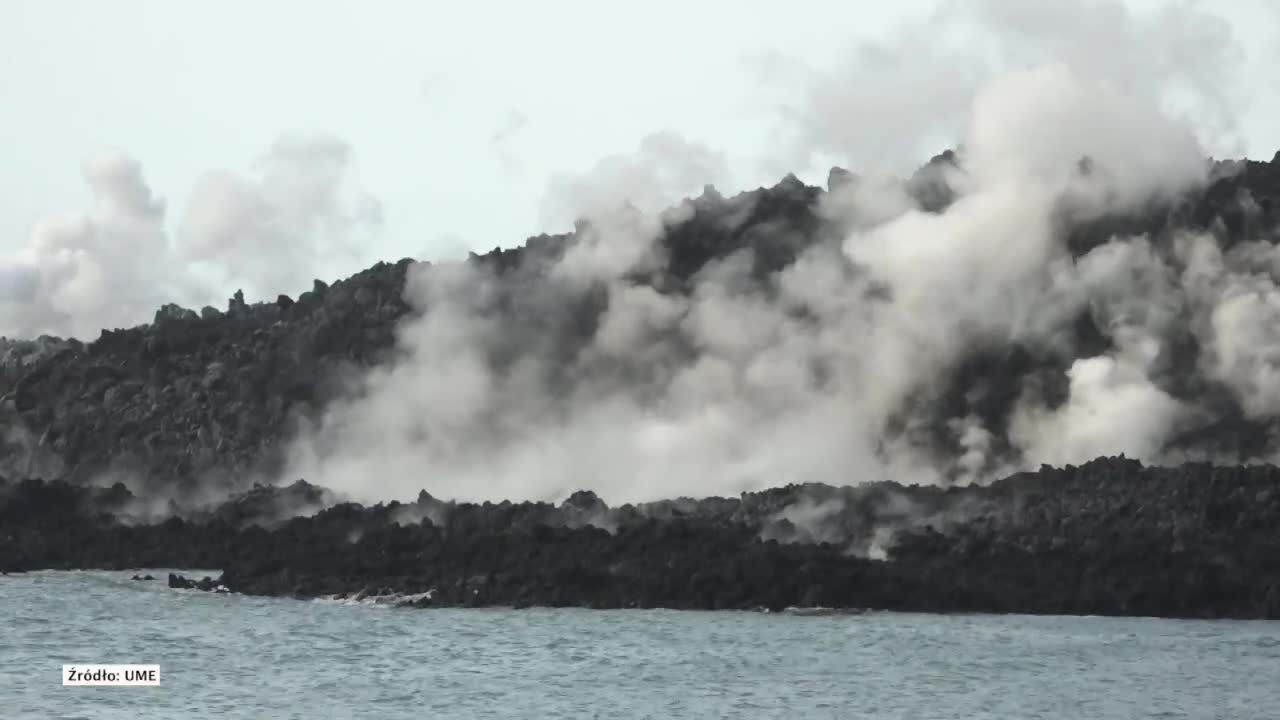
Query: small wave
x=821, y=611
x=364, y=599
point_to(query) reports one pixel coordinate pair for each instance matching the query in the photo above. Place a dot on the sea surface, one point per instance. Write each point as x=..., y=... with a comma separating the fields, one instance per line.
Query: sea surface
x=229, y=656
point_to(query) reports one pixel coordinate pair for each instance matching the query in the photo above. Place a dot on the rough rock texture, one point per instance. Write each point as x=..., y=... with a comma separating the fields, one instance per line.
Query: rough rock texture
x=192, y=398
x=1109, y=537
x=197, y=405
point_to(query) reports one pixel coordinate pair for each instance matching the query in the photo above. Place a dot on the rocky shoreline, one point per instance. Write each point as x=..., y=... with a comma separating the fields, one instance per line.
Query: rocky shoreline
x=1107, y=538
x=152, y=439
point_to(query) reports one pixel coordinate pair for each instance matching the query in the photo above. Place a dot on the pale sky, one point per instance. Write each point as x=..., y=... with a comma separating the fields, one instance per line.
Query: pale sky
x=458, y=115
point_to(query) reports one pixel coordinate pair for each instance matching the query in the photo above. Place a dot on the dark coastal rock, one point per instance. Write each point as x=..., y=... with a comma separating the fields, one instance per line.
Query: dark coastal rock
x=208, y=397
x=180, y=582
x=1110, y=537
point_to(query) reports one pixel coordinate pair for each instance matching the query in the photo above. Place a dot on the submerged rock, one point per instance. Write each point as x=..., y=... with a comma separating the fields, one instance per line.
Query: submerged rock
x=180, y=582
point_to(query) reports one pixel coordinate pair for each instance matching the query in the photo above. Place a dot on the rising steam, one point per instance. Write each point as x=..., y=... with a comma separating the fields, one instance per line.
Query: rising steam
x=831, y=368
x=597, y=362
x=113, y=267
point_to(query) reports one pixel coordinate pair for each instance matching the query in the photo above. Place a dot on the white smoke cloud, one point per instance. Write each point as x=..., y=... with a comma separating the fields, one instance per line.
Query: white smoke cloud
x=1039, y=124
x=1246, y=325
x=285, y=226
x=735, y=385
x=1237, y=318
x=616, y=205
x=863, y=203
x=78, y=275
x=115, y=266
x=1175, y=53
x=665, y=168
x=1113, y=408
x=894, y=101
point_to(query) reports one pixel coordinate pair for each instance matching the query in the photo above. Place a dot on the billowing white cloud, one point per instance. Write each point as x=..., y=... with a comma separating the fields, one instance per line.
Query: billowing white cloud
x=892, y=102
x=280, y=229
x=829, y=370
x=116, y=265
x=80, y=274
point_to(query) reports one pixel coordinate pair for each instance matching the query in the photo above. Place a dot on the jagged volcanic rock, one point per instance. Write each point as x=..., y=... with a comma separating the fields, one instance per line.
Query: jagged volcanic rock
x=192, y=399
x=196, y=407
x=1109, y=537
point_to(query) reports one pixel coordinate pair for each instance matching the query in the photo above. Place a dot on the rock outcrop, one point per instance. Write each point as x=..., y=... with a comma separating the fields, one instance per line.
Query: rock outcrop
x=192, y=399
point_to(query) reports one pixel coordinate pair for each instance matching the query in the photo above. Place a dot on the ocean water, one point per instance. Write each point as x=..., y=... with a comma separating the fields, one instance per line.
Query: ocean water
x=228, y=656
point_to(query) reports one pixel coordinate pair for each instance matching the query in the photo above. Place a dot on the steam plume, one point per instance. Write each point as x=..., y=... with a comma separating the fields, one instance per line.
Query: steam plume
x=112, y=267
x=560, y=374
